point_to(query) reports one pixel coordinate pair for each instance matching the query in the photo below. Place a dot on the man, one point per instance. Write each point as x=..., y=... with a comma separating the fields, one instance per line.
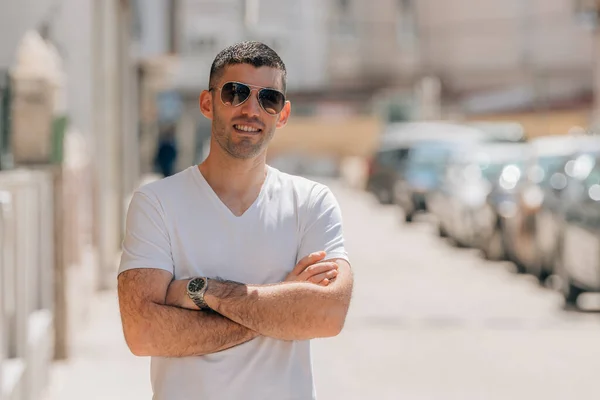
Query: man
x=229, y=268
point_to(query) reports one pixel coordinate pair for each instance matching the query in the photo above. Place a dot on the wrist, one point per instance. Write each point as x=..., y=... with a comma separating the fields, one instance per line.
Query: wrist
x=218, y=292
x=177, y=295
x=211, y=295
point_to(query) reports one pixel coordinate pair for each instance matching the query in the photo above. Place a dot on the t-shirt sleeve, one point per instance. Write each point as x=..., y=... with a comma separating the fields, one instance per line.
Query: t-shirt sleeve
x=146, y=243
x=323, y=228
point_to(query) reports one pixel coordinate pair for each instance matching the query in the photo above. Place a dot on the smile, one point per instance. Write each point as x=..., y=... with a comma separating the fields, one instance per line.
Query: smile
x=246, y=128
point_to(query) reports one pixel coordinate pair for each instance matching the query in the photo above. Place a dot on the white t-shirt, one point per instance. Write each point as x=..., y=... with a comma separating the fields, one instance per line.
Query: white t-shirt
x=180, y=225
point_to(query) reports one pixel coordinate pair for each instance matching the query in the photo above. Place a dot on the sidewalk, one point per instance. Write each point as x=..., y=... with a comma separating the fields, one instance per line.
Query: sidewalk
x=101, y=366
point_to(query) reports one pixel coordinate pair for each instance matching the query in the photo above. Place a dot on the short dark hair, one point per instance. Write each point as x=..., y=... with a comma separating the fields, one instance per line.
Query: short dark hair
x=253, y=53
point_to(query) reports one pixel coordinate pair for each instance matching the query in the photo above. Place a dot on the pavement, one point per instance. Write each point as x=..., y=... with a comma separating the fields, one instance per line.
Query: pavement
x=101, y=366
x=427, y=321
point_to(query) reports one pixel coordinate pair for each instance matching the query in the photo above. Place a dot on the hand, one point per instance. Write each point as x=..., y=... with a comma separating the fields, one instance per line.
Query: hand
x=309, y=269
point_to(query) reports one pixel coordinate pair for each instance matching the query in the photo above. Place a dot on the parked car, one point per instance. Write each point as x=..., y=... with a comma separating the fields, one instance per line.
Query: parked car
x=505, y=174
x=539, y=195
x=548, y=223
x=471, y=177
x=501, y=131
x=423, y=174
x=578, y=257
x=387, y=166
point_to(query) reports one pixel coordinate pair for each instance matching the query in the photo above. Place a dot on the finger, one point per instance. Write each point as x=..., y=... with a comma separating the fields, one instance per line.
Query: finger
x=308, y=260
x=324, y=282
x=326, y=275
x=317, y=268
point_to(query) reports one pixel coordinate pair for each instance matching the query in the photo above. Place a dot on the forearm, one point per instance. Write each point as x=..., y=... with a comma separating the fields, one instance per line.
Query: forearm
x=166, y=331
x=286, y=311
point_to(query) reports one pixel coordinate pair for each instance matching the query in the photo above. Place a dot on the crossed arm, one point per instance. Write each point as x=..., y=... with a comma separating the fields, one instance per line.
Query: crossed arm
x=153, y=328
x=159, y=320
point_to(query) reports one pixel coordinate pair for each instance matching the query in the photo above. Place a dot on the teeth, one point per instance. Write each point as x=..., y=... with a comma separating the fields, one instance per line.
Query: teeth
x=246, y=128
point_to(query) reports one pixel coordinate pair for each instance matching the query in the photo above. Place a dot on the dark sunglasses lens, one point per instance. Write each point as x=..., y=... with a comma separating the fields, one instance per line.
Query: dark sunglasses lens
x=271, y=100
x=234, y=93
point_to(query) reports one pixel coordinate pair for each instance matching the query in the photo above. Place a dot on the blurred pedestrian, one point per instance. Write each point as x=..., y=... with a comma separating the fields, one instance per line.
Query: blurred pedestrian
x=166, y=151
x=230, y=267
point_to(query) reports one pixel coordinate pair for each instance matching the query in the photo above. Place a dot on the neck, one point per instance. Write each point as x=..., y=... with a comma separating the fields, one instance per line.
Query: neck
x=233, y=177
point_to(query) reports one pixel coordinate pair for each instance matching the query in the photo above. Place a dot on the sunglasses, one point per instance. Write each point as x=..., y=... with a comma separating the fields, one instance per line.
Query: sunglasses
x=235, y=94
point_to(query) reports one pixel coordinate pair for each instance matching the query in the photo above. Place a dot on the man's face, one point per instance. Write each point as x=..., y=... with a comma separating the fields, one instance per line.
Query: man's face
x=244, y=131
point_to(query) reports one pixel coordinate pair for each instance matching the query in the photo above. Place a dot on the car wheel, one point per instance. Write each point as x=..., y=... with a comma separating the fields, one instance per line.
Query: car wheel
x=542, y=275
x=537, y=266
x=492, y=248
x=441, y=231
x=521, y=269
x=571, y=293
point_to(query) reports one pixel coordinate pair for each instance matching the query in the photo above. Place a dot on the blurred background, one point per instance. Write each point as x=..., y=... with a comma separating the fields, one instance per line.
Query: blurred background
x=459, y=136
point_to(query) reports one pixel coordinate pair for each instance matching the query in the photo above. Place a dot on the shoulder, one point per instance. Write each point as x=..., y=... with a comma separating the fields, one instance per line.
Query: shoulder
x=163, y=194
x=173, y=186
x=305, y=191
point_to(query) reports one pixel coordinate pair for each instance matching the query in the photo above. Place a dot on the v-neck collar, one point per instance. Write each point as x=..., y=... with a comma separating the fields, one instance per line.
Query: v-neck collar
x=219, y=203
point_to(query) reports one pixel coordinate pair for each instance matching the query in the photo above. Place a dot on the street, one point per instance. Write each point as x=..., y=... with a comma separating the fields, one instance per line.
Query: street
x=431, y=321
x=427, y=321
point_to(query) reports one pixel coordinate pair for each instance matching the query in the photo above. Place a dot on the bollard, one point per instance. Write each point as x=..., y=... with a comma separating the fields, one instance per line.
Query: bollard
x=28, y=291
x=40, y=345
x=13, y=366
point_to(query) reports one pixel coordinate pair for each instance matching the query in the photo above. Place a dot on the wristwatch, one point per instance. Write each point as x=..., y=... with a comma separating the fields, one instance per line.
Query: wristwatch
x=196, y=288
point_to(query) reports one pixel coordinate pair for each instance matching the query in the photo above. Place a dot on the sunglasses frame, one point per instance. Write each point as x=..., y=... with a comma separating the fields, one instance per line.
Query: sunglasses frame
x=252, y=89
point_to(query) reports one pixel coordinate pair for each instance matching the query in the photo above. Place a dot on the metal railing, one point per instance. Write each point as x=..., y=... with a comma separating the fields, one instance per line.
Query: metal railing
x=26, y=282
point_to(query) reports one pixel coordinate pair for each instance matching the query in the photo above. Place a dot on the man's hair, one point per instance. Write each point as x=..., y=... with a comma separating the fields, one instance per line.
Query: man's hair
x=253, y=53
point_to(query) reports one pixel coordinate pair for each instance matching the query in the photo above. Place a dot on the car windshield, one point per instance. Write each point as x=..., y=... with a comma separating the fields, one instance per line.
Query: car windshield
x=491, y=171
x=593, y=178
x=592, y=184
x=430, y=155
x=551, y=163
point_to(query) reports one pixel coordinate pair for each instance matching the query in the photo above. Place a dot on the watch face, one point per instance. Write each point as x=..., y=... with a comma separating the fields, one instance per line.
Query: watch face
x=196, y=285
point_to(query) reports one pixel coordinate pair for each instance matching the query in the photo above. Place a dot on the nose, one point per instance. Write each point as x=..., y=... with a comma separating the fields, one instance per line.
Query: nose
x=251, y=107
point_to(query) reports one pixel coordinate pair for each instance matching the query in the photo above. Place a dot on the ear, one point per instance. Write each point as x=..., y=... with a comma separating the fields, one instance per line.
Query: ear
x=206, y=104
x=284, y=115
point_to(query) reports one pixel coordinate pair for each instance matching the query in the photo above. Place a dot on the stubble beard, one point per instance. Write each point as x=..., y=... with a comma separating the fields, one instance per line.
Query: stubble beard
x=245, y=148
